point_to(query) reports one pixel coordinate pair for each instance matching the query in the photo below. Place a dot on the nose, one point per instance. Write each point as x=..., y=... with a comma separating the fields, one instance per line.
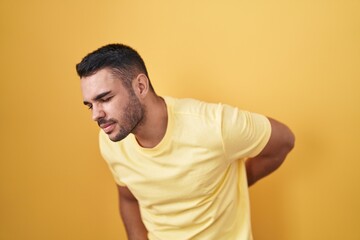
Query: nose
x=97, y=113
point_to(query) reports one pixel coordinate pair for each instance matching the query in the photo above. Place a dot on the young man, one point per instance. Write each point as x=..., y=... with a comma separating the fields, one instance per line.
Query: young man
x=182, y=166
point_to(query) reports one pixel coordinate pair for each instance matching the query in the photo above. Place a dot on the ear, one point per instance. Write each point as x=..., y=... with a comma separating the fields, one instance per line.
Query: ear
x=141, y=85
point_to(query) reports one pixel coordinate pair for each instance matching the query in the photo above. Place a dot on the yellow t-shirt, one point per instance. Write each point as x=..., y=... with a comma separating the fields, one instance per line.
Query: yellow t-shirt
x=192, y=185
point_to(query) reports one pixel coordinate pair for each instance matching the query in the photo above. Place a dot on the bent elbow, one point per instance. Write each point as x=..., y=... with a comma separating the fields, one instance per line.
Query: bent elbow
x=290, y=141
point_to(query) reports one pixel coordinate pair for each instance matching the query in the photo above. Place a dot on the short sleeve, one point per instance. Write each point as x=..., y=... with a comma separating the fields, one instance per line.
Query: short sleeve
x=108, y=152
x=244, y=134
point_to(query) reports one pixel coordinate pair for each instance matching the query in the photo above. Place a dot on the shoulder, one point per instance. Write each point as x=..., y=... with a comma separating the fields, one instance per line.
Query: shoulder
x=192, y=107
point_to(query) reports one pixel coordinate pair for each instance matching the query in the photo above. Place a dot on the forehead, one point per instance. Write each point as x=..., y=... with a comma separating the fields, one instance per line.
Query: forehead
x=101, y=81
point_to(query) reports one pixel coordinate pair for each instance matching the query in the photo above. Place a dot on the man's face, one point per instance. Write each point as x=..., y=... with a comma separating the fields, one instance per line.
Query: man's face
x=116, y=109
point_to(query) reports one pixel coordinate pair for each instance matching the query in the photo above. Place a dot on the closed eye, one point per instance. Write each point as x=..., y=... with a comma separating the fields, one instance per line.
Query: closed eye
x=105, y=99
x=102, y=97
x=101, y=100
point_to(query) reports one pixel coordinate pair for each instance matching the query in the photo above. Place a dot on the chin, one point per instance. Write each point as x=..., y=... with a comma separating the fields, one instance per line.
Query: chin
x=114, y=139
x=117, y=138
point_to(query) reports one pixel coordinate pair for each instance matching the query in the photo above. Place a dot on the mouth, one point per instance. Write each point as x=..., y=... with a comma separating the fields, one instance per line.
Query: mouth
x=107, y=127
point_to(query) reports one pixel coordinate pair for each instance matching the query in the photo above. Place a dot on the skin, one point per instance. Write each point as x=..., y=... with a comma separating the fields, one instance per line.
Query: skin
x=117, y=111
x=120, y=111
x=281, y=142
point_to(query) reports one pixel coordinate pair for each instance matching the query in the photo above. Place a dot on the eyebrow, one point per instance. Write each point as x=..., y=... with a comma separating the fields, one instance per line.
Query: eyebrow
x=101, y=95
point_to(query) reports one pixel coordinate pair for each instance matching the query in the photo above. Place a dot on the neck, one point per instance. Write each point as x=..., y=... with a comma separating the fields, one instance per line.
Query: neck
x=153, y=129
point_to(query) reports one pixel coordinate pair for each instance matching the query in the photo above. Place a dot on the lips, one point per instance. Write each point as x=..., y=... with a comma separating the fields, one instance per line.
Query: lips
x=108, y=127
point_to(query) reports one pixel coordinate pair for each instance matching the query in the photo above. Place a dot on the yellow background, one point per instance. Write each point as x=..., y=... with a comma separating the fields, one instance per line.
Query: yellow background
x=297, y=61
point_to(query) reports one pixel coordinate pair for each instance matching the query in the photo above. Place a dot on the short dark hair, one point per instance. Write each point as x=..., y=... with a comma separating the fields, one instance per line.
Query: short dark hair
x=123, y=60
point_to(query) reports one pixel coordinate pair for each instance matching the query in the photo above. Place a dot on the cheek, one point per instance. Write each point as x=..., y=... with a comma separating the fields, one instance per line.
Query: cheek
x=114, y=110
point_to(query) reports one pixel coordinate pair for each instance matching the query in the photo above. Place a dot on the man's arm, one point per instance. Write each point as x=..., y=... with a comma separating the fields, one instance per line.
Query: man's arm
x=272, y=156
x=130, y=214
